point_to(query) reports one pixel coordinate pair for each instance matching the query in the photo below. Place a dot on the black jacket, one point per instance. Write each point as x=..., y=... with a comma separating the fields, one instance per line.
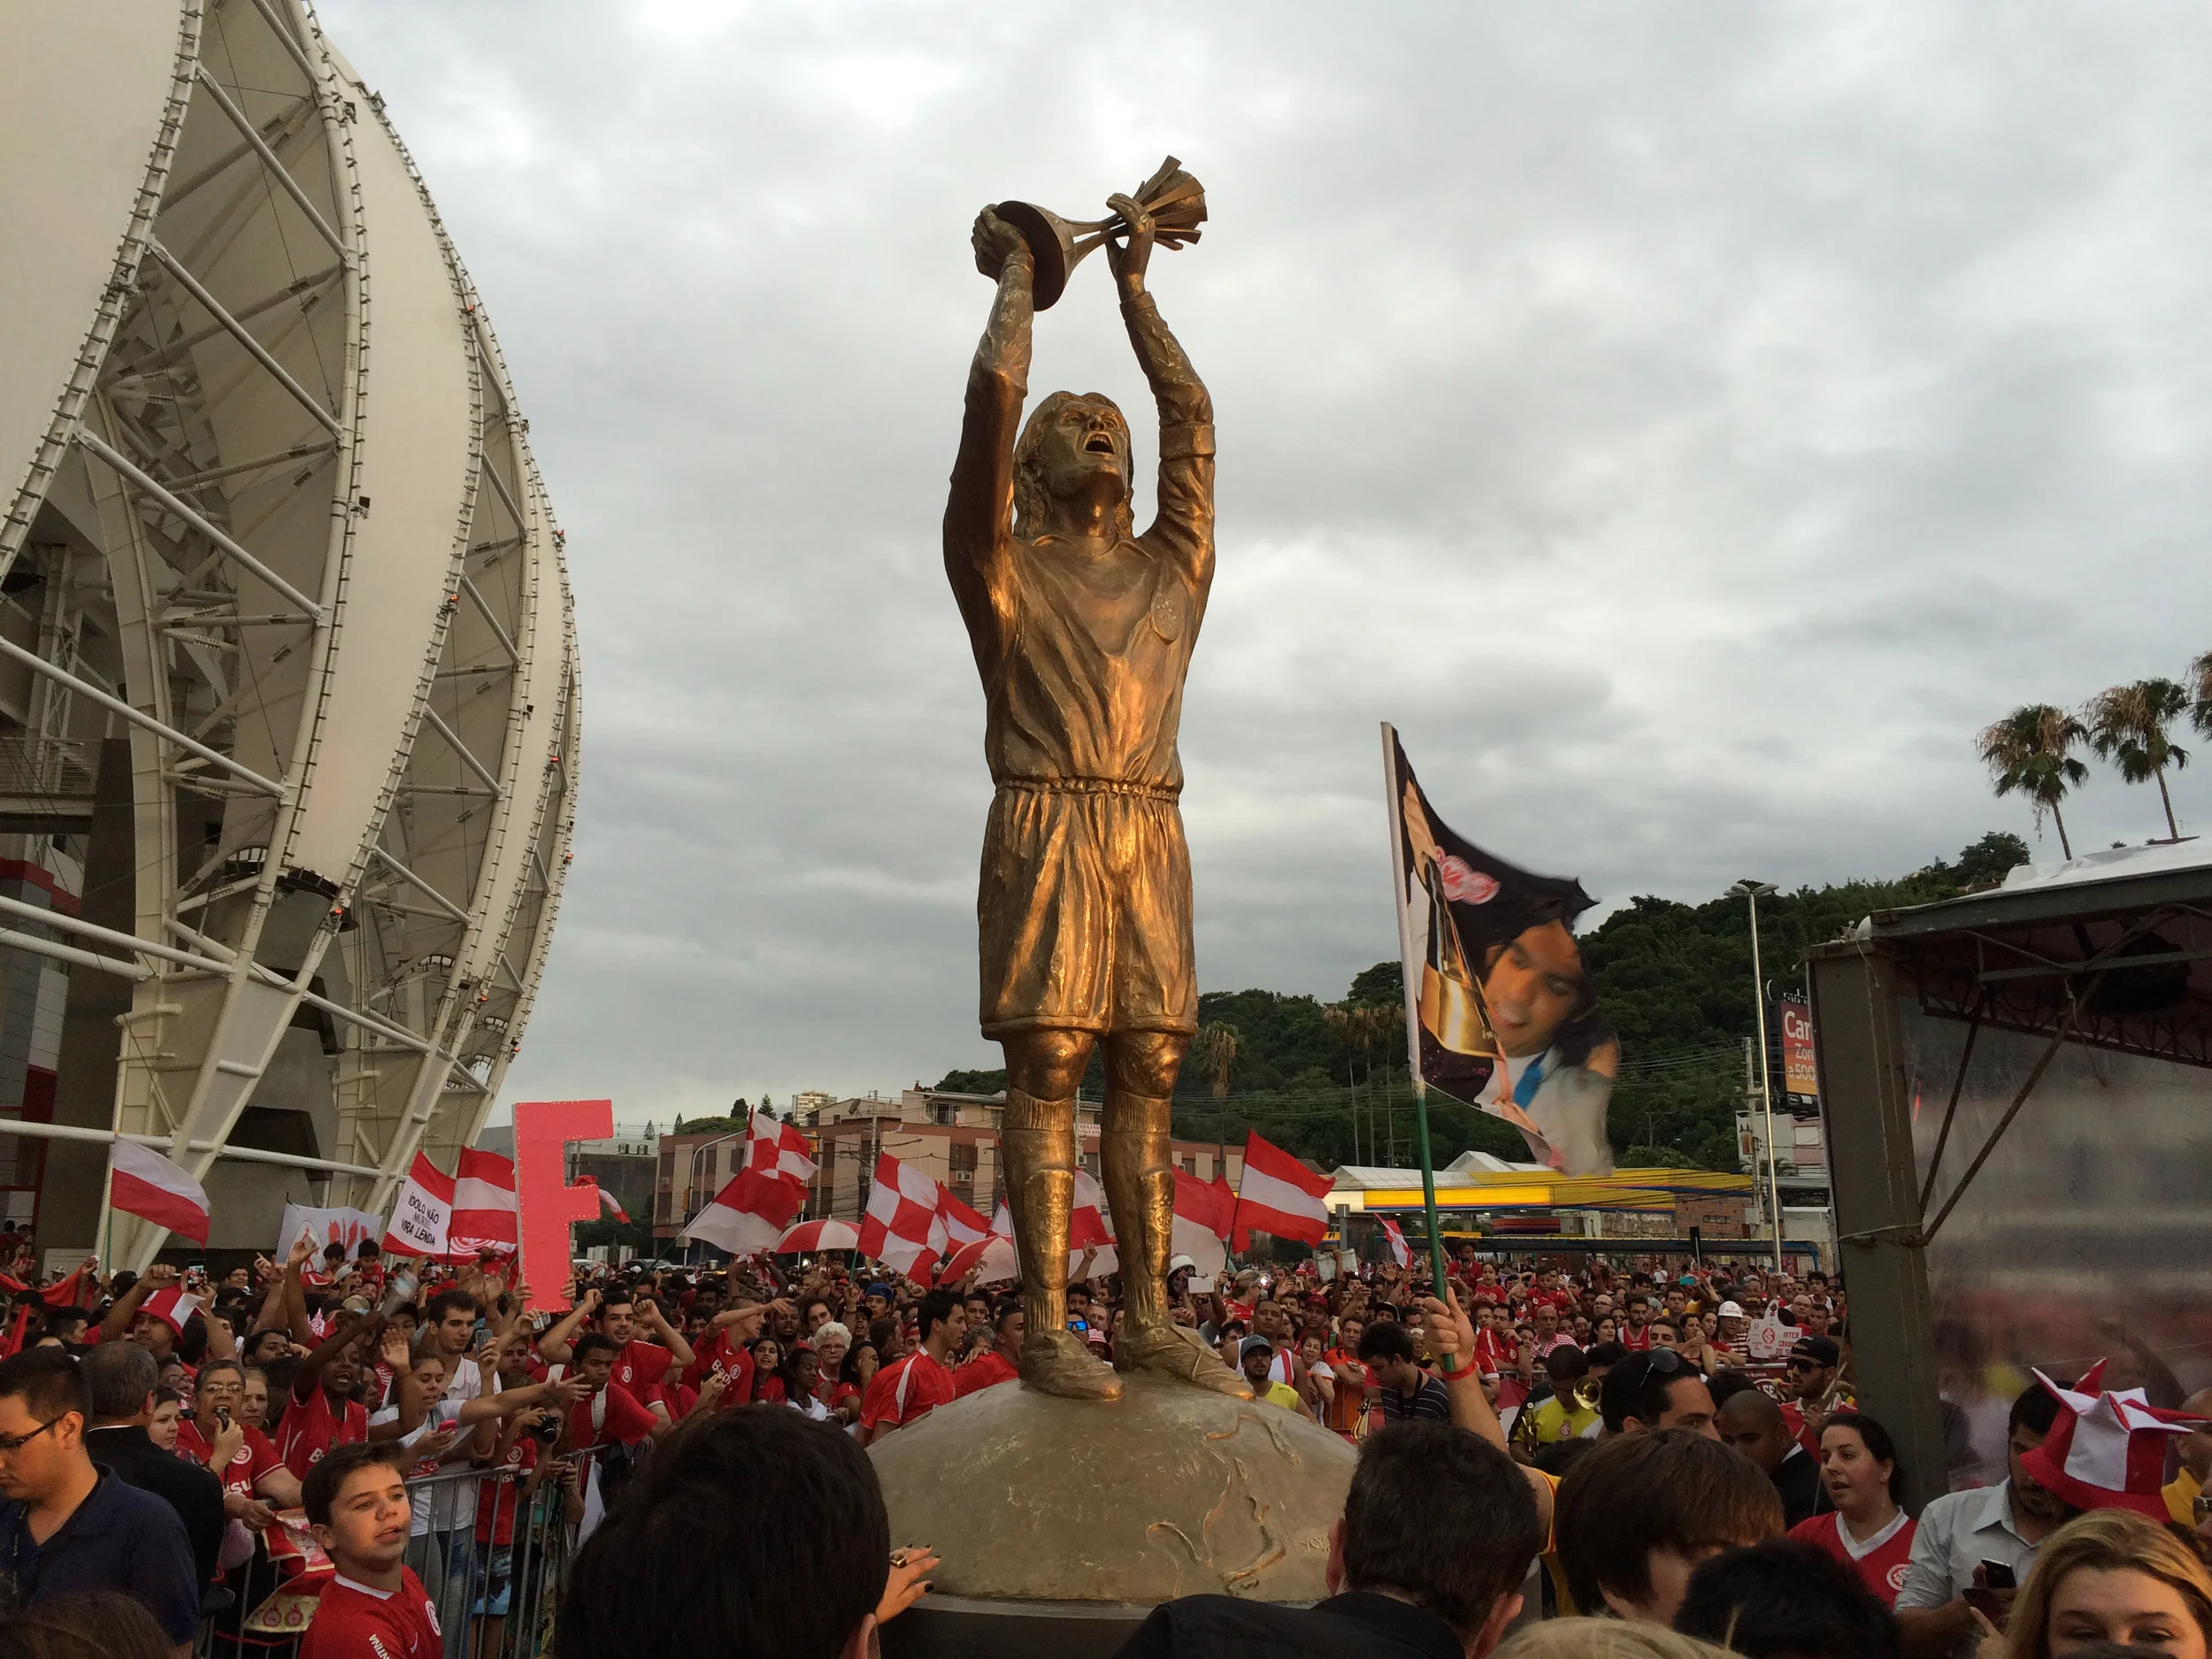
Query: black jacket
x=1355, y=1626
x=1804, y=1495
x=194, y=1492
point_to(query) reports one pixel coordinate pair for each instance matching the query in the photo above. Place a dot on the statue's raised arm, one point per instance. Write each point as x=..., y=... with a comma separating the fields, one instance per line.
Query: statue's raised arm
x=980, y=512
x=1183, y=529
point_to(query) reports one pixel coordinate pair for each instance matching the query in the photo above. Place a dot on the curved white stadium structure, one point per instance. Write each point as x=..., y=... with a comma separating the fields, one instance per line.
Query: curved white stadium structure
x=289, y=704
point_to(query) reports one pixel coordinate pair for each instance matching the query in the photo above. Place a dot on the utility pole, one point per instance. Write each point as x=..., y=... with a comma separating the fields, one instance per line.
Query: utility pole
x=1754, y=891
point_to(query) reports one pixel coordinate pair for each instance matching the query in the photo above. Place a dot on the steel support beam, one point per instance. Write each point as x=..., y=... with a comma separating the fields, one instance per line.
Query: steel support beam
x=251, y=134
x=162, y=1143
x=238, y=331
x=38, y=664
x=1866, y=1095
x=454, y=743
x=146, y=481
x=419, y=884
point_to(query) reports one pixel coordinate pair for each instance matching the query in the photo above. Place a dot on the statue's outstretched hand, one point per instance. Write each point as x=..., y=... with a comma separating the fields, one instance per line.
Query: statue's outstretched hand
x=995, y=242
x=1133, y=252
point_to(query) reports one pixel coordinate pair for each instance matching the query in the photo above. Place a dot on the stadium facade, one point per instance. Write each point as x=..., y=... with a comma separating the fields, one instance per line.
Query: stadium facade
x=289, y=693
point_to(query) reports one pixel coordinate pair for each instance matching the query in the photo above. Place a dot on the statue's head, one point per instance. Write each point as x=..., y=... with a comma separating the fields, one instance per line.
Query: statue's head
x=1074, y=448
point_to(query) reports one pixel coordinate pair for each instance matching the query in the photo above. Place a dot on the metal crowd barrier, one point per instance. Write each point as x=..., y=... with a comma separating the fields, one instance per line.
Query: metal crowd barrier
x=493, y=1600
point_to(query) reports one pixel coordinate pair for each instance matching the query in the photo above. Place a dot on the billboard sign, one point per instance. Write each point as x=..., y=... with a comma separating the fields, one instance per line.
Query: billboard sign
x=1799, y=1077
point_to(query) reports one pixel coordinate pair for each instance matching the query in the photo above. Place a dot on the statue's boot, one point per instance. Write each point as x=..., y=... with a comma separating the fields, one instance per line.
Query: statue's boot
x=1173, y=1350
x=1039, y=1138
x=1137, y=1151
x=1060, y=1362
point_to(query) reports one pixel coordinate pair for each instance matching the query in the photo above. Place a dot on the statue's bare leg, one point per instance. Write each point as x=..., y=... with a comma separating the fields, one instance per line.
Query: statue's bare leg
x=1037, y=1131
x=1137, y=1155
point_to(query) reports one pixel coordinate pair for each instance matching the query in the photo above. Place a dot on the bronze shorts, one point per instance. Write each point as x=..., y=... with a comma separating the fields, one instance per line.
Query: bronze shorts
x=1084, y=910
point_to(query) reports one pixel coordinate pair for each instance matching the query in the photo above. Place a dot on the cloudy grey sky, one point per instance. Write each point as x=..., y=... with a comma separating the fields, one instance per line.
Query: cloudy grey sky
x=1689, y=423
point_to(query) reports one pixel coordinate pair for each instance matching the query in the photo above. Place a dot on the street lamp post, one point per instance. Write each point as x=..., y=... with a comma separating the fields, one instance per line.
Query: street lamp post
x=1753, y=892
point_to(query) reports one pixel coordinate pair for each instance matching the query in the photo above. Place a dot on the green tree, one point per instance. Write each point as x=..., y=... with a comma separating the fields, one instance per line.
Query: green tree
x=2030, y=750
x=1991, y=858
x=2127, y=726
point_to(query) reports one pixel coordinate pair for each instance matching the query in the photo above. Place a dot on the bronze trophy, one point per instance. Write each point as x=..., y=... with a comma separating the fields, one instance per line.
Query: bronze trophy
x=1176, y=201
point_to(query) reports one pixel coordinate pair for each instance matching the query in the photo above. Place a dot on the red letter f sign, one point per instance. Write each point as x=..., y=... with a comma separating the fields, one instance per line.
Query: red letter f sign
x=549, y=1205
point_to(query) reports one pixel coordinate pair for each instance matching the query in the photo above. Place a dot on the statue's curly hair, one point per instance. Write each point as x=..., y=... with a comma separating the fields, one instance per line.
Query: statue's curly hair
x=1029, y=489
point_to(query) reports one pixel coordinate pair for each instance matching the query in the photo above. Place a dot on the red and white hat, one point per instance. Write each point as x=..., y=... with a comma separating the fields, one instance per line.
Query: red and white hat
x=2106, y=1451
x=172, y=1306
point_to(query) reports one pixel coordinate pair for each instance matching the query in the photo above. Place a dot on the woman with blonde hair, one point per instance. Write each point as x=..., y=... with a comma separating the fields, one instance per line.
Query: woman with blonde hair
x=2112, y=1576
x=1604, y=1638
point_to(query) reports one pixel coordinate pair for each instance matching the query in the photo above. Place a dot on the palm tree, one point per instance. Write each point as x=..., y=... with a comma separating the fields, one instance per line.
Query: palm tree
x=2031, y=750
x=2127, y=726
x=1216, y=1051
x=2200, y=693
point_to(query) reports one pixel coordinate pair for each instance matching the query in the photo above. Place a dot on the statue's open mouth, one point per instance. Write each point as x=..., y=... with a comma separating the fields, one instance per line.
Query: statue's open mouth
x=1100, y=444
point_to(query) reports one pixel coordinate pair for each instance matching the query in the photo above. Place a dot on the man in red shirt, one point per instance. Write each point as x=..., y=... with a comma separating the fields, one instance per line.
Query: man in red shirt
x=1348, y=1405
x=641, y=1366
x=609, y=1414
x=913, y=1387
x=323, y=1414
x=375, y=1608
x=997, y=1362
x=724, y=1353
x=1636, y=1334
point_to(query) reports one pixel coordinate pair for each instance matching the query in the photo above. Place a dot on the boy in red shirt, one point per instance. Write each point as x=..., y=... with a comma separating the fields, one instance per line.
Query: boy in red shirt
x=375, y=1608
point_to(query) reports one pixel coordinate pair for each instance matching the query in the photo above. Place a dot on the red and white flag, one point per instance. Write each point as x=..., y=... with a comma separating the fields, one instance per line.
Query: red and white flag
x=748, y=1215
x=143, y=1183
x=956, y=1224
x=901, y=1216
x=485, y=1213
x=423, y=1216
x=991, y=1258
x=1280, y=1195
x=1204, y=1211
x=778, y=1149
x=1400, y=1251
x=172, y=1306
x=612, y=1206
x=455, y=1217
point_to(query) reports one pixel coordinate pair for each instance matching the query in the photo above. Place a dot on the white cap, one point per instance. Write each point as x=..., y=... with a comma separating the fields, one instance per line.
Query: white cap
x=1730, y=1311
x=1177, y=1264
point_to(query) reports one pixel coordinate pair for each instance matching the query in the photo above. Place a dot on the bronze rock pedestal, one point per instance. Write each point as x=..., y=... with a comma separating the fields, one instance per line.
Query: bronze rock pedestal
x=1062, y=1523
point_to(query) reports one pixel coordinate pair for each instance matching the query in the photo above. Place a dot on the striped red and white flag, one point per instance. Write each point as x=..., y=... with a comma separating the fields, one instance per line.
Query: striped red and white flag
x=1400, y=1251
x=143, y=1183
x=609, y=1203
x=1203, y=1212
x=1280, y=1195
x=749, y=1214
x=901, y=1216
x=485, y=1213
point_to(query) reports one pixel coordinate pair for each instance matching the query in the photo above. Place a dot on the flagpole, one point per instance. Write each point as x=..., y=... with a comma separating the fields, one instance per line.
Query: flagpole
x=1391, y=789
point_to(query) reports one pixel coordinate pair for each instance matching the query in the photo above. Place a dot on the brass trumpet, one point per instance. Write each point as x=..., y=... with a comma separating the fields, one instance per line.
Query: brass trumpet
x=1176, y=201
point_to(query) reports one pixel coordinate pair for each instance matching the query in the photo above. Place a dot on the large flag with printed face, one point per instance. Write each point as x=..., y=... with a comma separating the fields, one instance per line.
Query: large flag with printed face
x=1499, y=1008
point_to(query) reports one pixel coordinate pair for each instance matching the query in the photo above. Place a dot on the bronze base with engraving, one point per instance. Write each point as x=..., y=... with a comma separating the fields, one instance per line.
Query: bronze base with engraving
x=1117, y=1505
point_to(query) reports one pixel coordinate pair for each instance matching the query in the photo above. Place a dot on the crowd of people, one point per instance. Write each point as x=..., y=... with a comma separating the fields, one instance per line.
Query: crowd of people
x=1540, y=1453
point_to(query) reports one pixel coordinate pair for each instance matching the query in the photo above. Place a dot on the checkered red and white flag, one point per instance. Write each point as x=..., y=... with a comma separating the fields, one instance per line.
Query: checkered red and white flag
x=749, y=1214
x=901, y=1216
x=779, y=1148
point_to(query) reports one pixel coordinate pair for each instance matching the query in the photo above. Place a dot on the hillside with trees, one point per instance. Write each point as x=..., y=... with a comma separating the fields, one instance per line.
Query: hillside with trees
x=1328, y=1080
